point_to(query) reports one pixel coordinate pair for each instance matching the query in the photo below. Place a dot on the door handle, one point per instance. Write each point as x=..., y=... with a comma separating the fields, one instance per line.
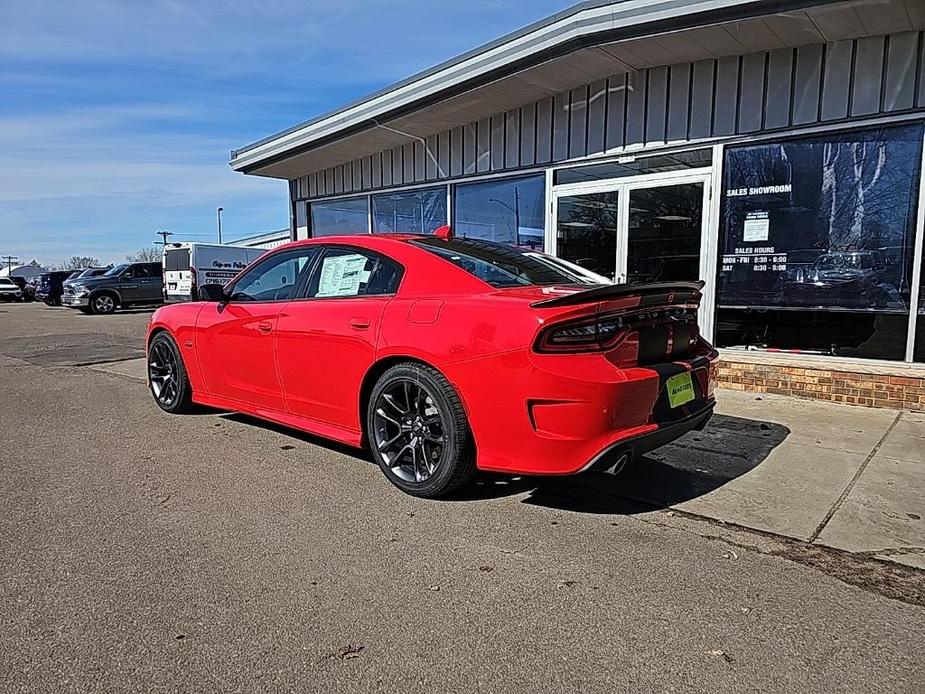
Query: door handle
x=359, y=323
x=265, y=327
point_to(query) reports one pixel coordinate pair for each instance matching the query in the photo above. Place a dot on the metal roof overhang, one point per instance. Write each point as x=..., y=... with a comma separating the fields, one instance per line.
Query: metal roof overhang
x=587, y=42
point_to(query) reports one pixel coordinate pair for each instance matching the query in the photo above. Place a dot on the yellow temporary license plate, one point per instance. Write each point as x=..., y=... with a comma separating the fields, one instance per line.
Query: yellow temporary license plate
x=680, y=389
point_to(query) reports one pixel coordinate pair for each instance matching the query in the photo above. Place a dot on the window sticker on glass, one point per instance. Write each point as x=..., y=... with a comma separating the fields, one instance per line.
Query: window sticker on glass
x=342, y=275
x=757, y=226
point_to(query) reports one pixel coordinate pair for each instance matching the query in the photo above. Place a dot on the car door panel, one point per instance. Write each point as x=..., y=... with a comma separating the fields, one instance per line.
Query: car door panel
x=237, y=338
x=237, y=354
x=324, y=349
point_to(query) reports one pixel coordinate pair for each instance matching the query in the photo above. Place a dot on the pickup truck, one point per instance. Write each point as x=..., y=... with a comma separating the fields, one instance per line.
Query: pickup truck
x=130, y=284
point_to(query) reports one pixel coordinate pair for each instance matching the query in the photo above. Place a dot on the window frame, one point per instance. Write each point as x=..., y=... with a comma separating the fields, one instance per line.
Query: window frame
x=325, y=248
x=298, y=294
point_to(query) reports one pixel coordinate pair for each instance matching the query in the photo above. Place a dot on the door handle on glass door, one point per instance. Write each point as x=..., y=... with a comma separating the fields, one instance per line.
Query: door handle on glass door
x=264, y=326
x=359, y=323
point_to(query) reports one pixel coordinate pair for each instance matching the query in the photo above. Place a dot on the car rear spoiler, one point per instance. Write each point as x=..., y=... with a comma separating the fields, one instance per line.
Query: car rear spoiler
x=652, y=294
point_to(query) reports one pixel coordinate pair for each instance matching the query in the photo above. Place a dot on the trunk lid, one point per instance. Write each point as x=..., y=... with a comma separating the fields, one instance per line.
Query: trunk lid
x=632, y=325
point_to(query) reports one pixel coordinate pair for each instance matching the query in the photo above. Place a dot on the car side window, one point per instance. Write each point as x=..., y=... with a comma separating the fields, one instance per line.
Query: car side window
x=347, y=272
x=276, y=278
x=140, y=271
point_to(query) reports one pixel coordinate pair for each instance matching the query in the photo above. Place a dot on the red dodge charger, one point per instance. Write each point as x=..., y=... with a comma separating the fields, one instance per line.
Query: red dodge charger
x=444, y=355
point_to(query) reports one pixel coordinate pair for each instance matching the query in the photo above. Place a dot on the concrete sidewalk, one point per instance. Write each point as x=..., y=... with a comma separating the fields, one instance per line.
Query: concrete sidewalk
x=847, y=477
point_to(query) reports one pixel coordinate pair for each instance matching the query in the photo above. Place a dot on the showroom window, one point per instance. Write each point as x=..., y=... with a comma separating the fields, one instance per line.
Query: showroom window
x=508, y=210
x=410, y=212
x=338, y=217
x=817, y=242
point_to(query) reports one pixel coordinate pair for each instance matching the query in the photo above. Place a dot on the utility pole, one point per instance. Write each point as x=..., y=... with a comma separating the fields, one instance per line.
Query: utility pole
x=9, y=262
x=163, y=233
x=218, y=212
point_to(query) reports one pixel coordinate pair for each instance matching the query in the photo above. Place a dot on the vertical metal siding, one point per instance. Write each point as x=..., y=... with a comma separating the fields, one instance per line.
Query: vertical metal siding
x=634, y=130
x=512, y=139
x=701, y=116
x=483, y=146
x=807, y=76
x=560, y=126
x=496, y=145
x=528, y=135
x=430, y=158
x=868, y=72
x=456, y=152
x=544, y=131
x=615, y=127
x=443, y=154
x=902, y=62
x=597, y=116
x=578, y=123
x=733, y=95
x=777, y=100
x=679, y=93
x=656, y=104
x=751, y=99
x=726, y=96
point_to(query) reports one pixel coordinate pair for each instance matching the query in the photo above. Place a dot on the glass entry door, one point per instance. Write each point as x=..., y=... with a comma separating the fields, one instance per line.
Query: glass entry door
x=586, y=231
x=663, y=234
x=645, y=229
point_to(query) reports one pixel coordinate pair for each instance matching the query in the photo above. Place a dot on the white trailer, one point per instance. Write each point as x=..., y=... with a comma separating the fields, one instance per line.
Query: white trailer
x=188, y=266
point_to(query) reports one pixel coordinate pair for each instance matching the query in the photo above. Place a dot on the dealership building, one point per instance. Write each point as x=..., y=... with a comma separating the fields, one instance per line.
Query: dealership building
x=771, y=149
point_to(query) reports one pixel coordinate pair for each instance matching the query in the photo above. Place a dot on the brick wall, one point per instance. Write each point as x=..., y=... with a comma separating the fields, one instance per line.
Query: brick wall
x=820, y=383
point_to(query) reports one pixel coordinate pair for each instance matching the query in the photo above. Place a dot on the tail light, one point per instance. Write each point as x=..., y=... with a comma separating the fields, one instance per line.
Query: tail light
x=593, y=334
x=660, y=334
x=192, y=282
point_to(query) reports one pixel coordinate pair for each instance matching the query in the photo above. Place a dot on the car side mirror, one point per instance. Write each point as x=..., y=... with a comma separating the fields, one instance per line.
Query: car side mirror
x=213, y=292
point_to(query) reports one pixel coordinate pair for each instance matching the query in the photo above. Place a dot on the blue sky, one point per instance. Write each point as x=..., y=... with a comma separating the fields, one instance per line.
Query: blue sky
x=117, y=118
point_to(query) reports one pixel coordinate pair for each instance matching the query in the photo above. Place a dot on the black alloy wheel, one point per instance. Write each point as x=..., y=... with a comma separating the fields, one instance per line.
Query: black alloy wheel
x=418, y=431
x=167, y=377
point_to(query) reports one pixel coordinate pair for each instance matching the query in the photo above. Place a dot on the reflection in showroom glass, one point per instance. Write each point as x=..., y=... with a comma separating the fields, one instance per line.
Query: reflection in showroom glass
x=506, y=210
x=817, y=243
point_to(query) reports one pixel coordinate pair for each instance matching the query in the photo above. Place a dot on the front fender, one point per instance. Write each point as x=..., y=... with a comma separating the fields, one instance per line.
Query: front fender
x=179, y=321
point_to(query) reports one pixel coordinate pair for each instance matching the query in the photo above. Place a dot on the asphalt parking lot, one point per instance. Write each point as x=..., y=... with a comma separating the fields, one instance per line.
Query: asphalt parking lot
x=143, y=552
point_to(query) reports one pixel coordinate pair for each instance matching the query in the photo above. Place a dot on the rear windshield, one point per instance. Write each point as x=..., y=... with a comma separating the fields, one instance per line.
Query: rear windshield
x=501, y=265
x=176, y=260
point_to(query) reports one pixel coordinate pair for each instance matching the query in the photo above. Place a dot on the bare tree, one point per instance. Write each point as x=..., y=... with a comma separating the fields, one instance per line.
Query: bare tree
x=80, y=262
x=145, y=255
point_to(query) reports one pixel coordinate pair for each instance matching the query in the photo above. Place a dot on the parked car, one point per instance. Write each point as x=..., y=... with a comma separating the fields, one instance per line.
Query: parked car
x=188, y=266
x=28, y=291
x=444, y=355
x=131, y=284
x=86, y=273
x=50, y=286
x=851, y=279
x=9, y=290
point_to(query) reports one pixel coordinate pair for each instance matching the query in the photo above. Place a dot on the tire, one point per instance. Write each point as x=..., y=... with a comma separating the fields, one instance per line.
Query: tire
x=167, y=378
x=103, y=304
x=418, y=432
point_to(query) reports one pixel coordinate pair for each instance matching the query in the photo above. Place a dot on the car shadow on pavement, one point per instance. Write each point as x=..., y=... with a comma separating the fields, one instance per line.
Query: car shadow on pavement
x=696, y=464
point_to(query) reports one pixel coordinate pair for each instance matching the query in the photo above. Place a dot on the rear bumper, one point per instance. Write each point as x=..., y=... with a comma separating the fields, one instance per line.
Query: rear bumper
x=622, y=452
x=558, y=415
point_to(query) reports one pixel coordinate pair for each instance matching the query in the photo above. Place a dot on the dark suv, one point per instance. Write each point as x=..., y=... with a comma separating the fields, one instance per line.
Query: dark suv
x=122, y=286
x=49, y=286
